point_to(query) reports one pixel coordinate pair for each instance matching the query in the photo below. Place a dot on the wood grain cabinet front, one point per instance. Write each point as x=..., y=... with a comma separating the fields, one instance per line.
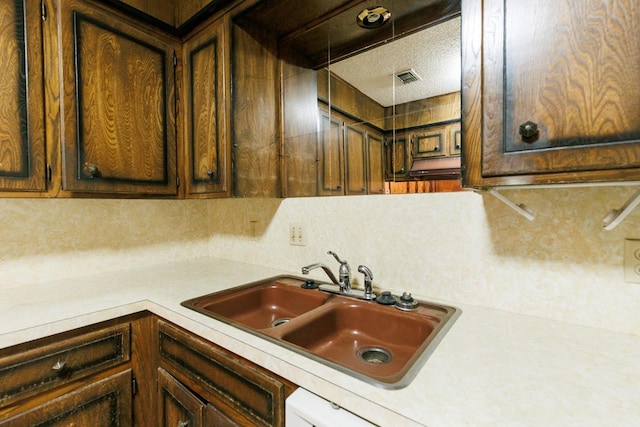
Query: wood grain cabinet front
x=22, y=140
x=103, y=403
x=550, y=91
x=43, y=368
x=179, y=407
x=81, y=377
x=118, y=80
x=207, y=150
x=233, y=391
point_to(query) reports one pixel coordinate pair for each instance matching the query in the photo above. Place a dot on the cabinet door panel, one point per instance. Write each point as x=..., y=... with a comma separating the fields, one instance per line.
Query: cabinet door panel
x=206, y=135
x=330, y=152
x=397, y=156
x=570, y=67
x=178, y=406
x=119, y=96
x=22, y=152
x=355, y=160
x=375, y=153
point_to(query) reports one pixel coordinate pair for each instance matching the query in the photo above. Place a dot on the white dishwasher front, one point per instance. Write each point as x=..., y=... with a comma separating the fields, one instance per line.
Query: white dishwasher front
x=305, y=409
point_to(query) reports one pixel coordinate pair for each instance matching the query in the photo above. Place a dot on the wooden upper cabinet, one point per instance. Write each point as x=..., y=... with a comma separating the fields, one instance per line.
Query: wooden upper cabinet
x=398, y=153
x=551, y=91
x=22, y=144
x=375, y=162
x=119, y=104
x=355, y=165
x=206, y=139
x=330, y=155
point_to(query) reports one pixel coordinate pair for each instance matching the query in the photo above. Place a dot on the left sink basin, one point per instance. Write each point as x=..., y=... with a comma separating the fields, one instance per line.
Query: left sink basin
x=260, y=305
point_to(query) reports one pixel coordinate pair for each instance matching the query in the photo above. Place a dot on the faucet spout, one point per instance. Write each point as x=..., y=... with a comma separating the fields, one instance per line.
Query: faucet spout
x=308, y=268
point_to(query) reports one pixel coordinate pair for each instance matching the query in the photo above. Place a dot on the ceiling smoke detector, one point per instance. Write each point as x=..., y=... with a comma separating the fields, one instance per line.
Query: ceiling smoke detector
x=407, y=76
x=373, y=18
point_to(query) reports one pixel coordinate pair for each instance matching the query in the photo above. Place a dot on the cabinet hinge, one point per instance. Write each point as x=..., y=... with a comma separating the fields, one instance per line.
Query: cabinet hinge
x=175, y=59
x=178, y=181
x=134, y=385
x=43, y=10
x=49, y=173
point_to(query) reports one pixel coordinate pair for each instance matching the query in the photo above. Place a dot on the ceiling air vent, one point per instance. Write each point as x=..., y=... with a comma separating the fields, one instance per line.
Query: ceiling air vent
x=407, y=76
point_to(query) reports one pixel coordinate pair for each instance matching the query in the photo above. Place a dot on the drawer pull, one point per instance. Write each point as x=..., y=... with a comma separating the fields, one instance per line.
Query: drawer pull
x=59, y=367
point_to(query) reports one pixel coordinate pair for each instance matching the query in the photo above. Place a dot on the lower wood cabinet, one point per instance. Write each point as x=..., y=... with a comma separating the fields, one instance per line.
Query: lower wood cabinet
x=138, y=370
x=232, y=390
x=78, y=378
x=105, y=402
x=180, y=407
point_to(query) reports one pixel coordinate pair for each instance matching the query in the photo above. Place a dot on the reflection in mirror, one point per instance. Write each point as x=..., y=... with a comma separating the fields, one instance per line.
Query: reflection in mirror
x=352, y=127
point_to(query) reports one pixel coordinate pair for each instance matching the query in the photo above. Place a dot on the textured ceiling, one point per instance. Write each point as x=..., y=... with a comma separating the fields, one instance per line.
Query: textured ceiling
x=433, y=53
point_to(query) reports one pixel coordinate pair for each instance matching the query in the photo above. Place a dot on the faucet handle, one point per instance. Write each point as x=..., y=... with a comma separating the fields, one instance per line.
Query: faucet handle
x=335, y=255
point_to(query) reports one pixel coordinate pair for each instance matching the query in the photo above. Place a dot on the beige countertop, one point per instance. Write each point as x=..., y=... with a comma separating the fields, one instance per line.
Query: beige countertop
x=492, y=368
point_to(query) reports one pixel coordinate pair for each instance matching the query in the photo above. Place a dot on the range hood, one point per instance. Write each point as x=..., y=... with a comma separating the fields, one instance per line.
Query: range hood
x=436, y=168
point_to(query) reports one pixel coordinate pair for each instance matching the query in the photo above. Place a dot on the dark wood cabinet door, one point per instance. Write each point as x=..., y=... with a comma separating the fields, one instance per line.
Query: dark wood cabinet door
x=206, y=108
x=104, y=403
x=330, y=155
x=557, y=99
x=397, y=156
x=22, y=144
x=178, y=406
x=355, y=148
x=375, y=163
x=119, y=104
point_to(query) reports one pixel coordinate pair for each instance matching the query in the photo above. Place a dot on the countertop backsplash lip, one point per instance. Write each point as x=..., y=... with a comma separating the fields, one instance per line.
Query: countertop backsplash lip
x=474, y=366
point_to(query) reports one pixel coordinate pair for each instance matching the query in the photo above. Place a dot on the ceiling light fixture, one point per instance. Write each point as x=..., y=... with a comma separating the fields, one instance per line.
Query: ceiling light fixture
x=373, y=18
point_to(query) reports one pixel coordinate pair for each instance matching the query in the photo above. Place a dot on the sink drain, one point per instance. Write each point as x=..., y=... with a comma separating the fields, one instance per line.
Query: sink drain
x=374, y=355
x=279, y=322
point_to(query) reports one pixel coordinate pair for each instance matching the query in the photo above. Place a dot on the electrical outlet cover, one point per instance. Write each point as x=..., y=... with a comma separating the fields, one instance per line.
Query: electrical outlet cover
x=632, y=260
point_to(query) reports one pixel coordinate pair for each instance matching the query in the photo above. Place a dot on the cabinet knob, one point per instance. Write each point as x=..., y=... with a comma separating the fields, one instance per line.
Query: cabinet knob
x=528, y=129
x=183, y=423
x=91, y=170
x=211, y=174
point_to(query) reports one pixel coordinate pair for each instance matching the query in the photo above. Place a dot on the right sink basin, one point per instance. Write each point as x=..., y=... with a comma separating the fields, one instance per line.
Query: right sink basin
x=377, y=343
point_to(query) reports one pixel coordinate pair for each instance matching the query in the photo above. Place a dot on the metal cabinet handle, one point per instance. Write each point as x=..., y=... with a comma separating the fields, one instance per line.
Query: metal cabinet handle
x=59, y=366
x=211, y=174
x=183, y=423
x=528, y=129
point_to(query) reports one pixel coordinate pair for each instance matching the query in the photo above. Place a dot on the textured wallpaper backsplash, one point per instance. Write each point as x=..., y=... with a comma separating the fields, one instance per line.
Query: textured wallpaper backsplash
x=51, y=239
x=457, y=247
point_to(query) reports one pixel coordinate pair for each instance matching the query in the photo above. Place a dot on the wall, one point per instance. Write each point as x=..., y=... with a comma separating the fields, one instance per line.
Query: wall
x=458, y=247
x=50, y=239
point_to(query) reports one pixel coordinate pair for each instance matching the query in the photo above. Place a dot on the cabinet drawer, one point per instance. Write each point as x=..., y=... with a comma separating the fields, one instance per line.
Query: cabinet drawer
x=46, y=367
x=104, y=403
x=222, y=378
